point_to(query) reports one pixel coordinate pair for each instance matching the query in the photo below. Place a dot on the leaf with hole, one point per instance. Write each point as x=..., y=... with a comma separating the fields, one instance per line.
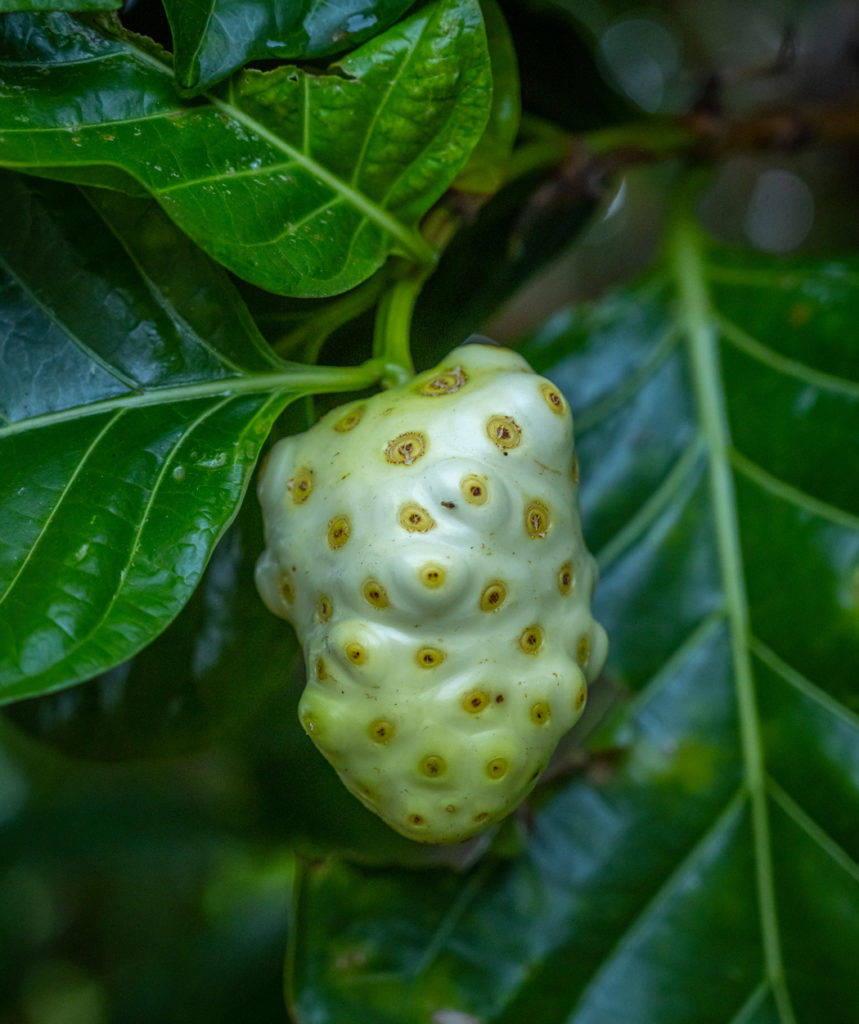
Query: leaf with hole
x=212, y=38
x=302, y=183
x=135, y=394
x=701, y=867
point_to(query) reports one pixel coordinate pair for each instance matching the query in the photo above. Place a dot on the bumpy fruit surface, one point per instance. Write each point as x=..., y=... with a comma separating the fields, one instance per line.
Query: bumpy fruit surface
x=426, y=545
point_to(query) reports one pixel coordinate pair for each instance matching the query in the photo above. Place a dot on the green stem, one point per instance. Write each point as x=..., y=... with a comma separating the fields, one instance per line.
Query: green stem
x=541, y=155
x=539, y=128
x=294, y=377
x=391, y=340
x=315, y=331
x=657, y=138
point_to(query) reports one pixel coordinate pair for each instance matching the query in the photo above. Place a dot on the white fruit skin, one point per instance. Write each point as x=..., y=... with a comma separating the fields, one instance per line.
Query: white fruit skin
x=475, y=544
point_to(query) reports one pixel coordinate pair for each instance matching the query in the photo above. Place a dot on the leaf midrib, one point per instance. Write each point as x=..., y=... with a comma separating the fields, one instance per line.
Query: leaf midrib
x=697, y=318
x=413, y=242
x=308, y=380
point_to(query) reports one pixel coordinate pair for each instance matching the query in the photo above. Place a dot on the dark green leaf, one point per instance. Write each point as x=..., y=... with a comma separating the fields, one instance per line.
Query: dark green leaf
x=212, y=38
x=485, y=171
x=300, y=182
x=192, y=686
x=710, y=873
x=135, y=393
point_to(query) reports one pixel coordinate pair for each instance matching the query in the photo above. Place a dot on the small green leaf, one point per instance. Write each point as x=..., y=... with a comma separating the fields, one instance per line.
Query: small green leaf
x=709, y=871
x=212, y=38
x=485, y=171
x=302, y=183
x=135, y=393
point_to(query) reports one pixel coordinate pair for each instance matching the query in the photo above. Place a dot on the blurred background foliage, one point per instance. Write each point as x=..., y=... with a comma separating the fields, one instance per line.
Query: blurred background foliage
x=151, y=820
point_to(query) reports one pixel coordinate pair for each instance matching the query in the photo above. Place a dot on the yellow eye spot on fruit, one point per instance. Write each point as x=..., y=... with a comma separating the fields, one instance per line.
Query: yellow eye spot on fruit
x=286, y=588
x=429, y=657
x=531, y=639
x=497, y=768
x=475, y=701
x=356, y=653
x=416, y=519
x=493, y=596
x=310, y=725
x=574, y=469
x=381, y=730
x=581, y=697
x=432, y=575
x=553, y=398
x=350, y=420
x=324, y=607
x=444, y=383
x=339, y=529
x=504, y=432
x=416, y=820
x=301, y=485
x=432, y=766
x=474, y=489
x=540, y=713
x=450, y=809
x=406, y=449
x=566, y=578
x=375, y=594
x=583, y=651
x=321, y=670
x=536, y=520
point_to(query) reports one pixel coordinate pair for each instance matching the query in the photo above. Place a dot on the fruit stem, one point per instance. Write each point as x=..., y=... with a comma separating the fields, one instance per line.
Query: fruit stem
x=391, y=339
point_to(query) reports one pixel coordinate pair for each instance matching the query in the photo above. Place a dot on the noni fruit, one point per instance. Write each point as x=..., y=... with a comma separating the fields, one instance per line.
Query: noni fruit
x=426, y=545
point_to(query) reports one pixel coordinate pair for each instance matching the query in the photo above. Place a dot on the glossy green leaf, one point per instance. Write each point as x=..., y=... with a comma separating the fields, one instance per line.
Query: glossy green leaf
x=135, y=393
x=302, y=183
x=710, y=874
x=212, y=38
x=194, y=685
x=485, y=171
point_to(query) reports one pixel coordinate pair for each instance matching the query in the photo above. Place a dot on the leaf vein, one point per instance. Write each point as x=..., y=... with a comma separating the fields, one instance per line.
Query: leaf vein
x=129, y=382
x=821, y=838
x=68, y=486
x=725, y=819
x=790, y=494
x=649, y=512
x=802, y=683
x=783, y=364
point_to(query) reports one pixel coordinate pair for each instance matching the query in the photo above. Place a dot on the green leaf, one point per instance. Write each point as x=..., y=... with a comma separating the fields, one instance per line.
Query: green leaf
x=708, y=874
x=212, y=38
x=302, y=183
x=135, y=393
x=180, y=693
x=485, y=171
